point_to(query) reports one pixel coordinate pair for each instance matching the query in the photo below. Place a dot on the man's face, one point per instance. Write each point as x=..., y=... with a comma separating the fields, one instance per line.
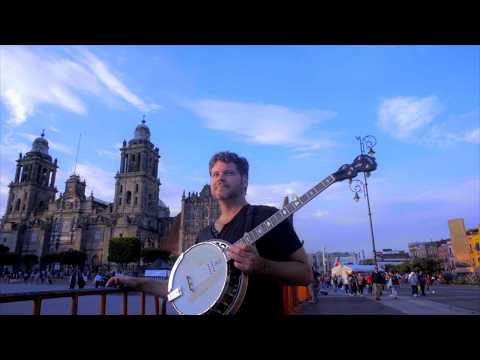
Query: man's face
x=226, y=182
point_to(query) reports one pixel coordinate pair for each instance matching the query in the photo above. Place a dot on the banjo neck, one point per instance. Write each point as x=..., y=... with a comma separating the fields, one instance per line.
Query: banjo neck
x=266, y=226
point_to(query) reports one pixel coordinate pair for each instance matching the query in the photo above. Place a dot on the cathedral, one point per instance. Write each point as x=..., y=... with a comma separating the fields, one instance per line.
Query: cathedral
x=37, y=222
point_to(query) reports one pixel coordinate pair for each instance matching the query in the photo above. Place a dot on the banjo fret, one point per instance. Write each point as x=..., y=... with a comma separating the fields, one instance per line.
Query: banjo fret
x=266, y=226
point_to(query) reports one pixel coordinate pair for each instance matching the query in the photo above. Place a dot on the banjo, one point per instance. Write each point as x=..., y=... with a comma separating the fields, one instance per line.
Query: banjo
x=203, y=280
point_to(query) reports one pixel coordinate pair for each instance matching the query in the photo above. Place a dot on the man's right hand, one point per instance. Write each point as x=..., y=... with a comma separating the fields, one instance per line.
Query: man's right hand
x=128, y=281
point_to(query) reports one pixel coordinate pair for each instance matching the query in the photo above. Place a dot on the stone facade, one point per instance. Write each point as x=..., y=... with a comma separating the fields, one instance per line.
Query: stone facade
x=198, y=211
x=36, y=222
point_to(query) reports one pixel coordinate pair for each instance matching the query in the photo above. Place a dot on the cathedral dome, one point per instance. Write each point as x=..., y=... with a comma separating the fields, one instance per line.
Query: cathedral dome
x=40, y=144
x=142, y=132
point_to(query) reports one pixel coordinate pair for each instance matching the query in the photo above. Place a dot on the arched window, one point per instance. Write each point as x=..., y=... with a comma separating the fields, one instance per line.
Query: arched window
x=121, y=189
x=136, y=188
x=129, y=197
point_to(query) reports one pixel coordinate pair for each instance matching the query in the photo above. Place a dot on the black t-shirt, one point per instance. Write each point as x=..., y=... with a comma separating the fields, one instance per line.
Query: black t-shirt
x=264, y=296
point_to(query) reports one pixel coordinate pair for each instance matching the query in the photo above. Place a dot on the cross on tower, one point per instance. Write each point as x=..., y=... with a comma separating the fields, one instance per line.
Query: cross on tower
x=143, y=120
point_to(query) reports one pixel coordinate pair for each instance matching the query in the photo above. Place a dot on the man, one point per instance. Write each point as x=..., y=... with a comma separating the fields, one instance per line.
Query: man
x=378, y=281
x=276, y=259
x=413, y=281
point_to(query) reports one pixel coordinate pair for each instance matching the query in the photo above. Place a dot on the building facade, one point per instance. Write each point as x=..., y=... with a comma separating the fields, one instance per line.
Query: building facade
x=464, y=258
x=199, y=210
x=36, y=222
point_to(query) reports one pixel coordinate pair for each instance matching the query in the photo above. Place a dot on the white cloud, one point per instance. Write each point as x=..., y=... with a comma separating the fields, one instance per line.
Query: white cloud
x=473, y=136
x=402, y=117
x=274, y=194
x=263, y=123
x=101, y=182
x=106, y=76
x=9, y=149
x=301, y=155
x=33, y=76
x=109, y=154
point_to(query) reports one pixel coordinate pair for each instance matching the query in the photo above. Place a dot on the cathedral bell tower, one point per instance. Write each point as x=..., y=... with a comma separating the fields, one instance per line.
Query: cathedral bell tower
x=137, y=185
x=34, y=184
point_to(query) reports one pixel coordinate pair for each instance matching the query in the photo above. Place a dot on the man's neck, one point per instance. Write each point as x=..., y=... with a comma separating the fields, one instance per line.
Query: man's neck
x=230, y=208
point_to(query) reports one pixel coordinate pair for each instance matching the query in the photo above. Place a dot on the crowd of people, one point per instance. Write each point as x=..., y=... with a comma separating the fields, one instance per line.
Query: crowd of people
x=73, y=277
x=374, y=284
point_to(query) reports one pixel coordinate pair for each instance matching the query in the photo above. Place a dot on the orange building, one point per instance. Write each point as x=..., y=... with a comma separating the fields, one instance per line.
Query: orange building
x=465, y=246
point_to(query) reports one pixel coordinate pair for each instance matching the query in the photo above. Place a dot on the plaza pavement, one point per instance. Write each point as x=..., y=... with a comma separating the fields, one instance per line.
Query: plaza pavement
x=447, y=300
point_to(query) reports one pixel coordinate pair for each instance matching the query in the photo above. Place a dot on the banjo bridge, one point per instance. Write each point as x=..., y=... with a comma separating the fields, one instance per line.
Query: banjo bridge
x=174, y=294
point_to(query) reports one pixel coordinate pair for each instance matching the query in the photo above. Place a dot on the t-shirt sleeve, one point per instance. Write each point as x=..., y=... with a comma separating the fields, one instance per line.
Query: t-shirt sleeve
x=280, y=242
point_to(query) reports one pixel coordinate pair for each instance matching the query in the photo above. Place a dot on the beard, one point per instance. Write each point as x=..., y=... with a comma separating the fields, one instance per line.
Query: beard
x=227, y=192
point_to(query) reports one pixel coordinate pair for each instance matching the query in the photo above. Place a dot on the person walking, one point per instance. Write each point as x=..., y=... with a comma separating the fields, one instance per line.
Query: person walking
x=353, y=284
x=81, y=280
x=378, y=281
x=98, y=280
x=422, y=281
x=315, y=286
x=413, y=281
x=395, y=285
x=73, y=279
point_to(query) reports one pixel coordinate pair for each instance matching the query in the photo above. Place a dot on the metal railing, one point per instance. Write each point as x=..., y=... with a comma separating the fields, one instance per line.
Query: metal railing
x=38, y=296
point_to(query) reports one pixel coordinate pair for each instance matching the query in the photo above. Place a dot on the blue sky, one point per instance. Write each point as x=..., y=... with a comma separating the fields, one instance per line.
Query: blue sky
x=293, y=111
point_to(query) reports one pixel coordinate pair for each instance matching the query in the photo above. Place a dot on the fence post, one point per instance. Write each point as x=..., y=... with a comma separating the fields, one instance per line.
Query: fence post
x=103, y=304
x=142, y=305
x=37, y=306
x=125, y=303
x=157, y=305
x=74, y=304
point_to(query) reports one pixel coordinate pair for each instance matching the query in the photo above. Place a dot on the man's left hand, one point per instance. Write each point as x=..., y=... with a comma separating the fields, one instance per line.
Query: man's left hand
x=246, y=258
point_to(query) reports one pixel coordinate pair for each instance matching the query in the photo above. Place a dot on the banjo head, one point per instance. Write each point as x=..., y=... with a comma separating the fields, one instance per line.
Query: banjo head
x=199, y=278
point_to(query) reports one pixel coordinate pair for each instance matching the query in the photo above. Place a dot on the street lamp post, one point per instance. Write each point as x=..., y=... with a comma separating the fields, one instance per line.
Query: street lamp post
x=367, y=142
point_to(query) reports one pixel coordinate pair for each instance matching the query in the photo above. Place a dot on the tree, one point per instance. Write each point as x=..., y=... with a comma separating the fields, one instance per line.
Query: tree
x=72, y=257
x=367, y=262
x=29, y=260
x=124, y=250
x=9, y=258
x=429, y=265
x=50, y=258
x=149, y=255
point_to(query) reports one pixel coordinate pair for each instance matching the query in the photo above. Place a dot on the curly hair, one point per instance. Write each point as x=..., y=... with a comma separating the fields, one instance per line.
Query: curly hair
x=228, y=157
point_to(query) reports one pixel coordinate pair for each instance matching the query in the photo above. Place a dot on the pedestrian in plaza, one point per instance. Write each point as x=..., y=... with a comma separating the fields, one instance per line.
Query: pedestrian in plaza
x=413, y=281
x=345, y=283
x=428, y=282
x=422, y=280
x=369, y=283
x=334, y=283
x=377, y=281
x=362, y=283
x=98, y=280
x=354, y=284
x=395, y=285
x=315, y=286
x=73, y=280
x=81, y=280
x=388, y=282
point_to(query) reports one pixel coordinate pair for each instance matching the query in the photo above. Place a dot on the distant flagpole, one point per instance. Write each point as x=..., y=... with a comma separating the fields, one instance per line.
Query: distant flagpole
x=76, y=157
